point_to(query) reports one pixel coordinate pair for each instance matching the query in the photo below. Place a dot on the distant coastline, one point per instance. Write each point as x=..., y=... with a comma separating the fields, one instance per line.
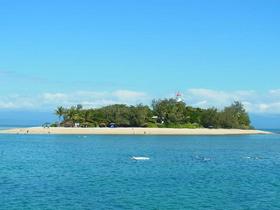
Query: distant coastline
x=131, y=131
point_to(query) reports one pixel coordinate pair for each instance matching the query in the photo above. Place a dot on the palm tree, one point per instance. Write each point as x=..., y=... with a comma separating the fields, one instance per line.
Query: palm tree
x=71, y=114
x=60, y=111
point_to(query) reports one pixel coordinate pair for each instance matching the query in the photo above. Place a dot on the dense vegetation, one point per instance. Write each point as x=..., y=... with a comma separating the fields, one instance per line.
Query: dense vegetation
x=162, y=113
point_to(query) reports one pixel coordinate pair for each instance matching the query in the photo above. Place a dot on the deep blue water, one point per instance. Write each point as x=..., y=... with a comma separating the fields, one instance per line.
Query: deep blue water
x=96, y=172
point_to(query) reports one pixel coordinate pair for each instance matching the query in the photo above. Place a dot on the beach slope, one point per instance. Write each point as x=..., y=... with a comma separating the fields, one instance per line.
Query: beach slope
x=131, y=131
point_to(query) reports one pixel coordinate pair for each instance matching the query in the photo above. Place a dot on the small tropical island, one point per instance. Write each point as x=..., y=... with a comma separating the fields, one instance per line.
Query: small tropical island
x=163, y=113
x=164, y=117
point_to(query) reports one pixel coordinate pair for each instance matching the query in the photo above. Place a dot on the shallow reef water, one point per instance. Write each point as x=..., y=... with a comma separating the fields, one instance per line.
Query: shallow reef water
x=180, y=172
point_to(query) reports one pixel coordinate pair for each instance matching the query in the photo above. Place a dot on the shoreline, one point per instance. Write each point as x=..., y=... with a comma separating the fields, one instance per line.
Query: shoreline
x=130, y=131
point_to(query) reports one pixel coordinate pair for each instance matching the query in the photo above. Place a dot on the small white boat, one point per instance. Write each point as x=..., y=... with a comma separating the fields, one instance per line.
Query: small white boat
x=140, y=158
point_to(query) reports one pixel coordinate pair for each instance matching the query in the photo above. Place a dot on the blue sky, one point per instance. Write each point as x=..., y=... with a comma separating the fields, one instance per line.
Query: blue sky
x=102, y=52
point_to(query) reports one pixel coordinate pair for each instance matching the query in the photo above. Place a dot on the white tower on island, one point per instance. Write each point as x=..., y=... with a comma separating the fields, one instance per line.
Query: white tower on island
x=179, y=97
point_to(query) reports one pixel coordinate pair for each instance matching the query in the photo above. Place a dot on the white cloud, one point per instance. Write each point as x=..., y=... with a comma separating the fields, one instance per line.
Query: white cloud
x=54, y=96
x=86, y=98
x=275, y=92
x=7, y=105
x=253, y=101
x=129, y=95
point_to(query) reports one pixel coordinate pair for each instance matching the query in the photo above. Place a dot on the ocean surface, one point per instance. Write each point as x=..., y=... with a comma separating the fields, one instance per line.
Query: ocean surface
x=97, y=172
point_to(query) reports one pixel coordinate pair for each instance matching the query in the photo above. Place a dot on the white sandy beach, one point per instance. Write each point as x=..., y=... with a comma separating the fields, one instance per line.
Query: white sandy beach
x=131, y=131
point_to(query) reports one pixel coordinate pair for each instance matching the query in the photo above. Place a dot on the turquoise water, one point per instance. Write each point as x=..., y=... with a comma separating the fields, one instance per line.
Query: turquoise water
x=96, y=172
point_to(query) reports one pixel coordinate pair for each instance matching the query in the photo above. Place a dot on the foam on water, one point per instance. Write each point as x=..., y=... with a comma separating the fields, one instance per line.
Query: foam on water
x=140, y=158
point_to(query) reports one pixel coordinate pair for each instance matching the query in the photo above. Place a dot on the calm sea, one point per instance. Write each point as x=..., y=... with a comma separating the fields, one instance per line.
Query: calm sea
x=5, y=127
x=97, y=172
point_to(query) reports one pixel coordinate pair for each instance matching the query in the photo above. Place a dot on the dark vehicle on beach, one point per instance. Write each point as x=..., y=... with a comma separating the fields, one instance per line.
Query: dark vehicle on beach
x=112, y=125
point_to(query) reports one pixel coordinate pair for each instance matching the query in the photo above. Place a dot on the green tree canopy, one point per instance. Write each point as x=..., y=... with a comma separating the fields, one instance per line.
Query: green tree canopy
x=162, y=113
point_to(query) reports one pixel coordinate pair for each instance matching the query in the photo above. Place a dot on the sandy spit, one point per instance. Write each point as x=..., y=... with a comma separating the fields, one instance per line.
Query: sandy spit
x=131, y=131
